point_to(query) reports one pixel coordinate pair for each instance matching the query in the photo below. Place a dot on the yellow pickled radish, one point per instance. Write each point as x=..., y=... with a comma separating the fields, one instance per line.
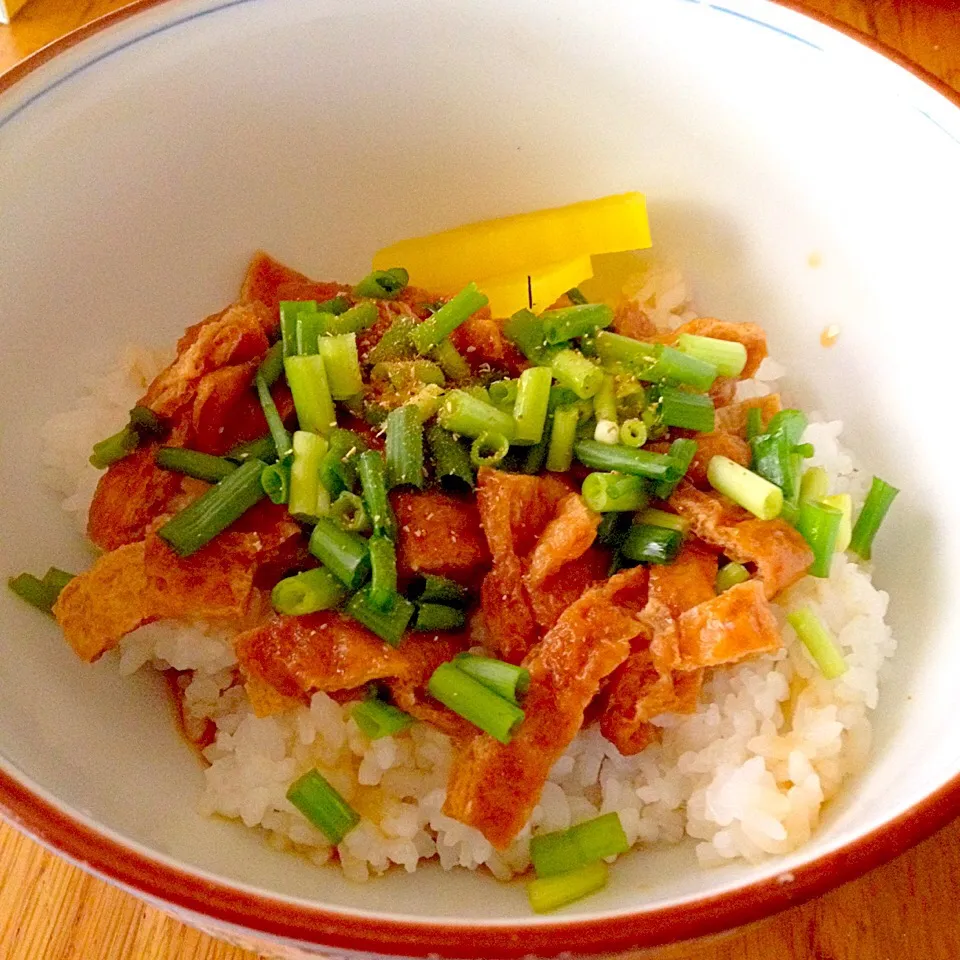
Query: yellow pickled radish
x=500, y=248
x=545, y=285
x=844, y=503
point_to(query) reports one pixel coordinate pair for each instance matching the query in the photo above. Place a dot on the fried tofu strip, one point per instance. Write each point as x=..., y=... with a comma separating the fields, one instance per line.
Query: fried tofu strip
x=236, y=336
x=648, y=682
x=750, y=335
x=515, y=511
x=779, y=552
x=145, y=581
x=439, y=533
x=493, y=786
x=130, y=495
x=328, y=651
x=96, y=608
x=731, y=627
x=732, y=419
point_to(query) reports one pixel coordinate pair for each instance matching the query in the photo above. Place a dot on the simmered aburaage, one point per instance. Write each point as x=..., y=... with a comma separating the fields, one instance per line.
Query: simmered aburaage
x=569, y=513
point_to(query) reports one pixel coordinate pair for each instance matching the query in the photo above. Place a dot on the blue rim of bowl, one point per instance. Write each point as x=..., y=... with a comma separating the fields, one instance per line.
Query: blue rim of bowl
x=208, y=899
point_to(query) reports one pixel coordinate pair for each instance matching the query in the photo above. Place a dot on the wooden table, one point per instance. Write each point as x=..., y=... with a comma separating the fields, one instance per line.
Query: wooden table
x=906, y=910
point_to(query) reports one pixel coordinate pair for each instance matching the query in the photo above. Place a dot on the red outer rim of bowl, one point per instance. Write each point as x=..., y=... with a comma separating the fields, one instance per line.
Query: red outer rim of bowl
x=326, y=928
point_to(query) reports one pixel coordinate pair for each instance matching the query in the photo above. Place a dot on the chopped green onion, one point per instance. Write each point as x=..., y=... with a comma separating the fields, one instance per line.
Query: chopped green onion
x=289, y=311
x=554, y=854
x=761, y=497
x=336, y=305
x=844, y=503
x=654, y=361
x=272, y=364
x=37, y=593
x=576, y=297
x=677, y=367
x=819, y=642
x=451, y=363
x=531, y=403
x=790, y=424
x=633, y=432
x=192, y=463
x=308, y=592
x=383, y=573
x=729, y=575
x=819, y=525
x=605, y=400
x=361, y=317
x=661, y=518
x=804, y=450
x=774, y=461
x=536, y=456
x=349, y=513
x=563, y=435
x=489, y=449
x=815, y=484
x=451, y=462
x=57, y=579
x=401, y=373
x=728, y=356
x=635, y=354
x=474, y=702
x=436, y=589
x=338, y=469
x=575, y=372
x=275, y=480
x=146, y=423
x=638, y=463
x=875, y=508
x=503, y=393
x=462, y=412
x=377, y=719
x=404, y=447
x=646, y=543
x=383, y=284
x=310, y=326
x=389, y=626
x=307, y=377
x=525, y=330
x=343, y=553
x=505, y=679
x=263, y=448
x=612, y=529
x=455, y=311
x=342, y=365
x=682, y=450
x=438, y=616
x=281, y=438
x=587, y=842
x=305, y=498
x=215, y=510
x=313, y=796
x=373, y=482
x=607, y=431
x=395, y=344
x=114, y=448
x=582, y=320
x=690, y=411
x=611, y=492
x=550, y=893
x=754, y=423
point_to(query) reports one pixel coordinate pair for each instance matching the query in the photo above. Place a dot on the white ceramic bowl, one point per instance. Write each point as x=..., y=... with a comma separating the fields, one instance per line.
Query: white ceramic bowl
x=142, y=161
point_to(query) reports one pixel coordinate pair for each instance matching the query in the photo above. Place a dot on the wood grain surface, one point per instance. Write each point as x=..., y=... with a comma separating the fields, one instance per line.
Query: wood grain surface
x=906, y=910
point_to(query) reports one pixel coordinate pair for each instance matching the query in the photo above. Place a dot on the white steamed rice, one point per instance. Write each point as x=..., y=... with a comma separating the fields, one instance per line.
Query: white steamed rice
x=746, y=776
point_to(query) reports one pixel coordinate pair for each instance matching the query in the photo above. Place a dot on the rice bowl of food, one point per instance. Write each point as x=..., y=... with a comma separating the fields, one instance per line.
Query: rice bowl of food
x=520, y=594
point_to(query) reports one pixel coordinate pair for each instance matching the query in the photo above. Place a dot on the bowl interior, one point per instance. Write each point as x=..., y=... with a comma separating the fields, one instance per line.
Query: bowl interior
x=798, y=179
